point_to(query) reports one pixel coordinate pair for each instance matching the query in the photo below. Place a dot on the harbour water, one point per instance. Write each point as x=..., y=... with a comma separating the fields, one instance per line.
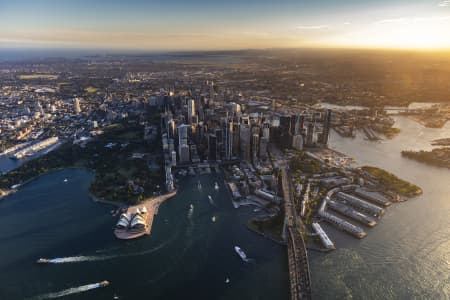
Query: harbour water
x=406, y=256
x=187, y=254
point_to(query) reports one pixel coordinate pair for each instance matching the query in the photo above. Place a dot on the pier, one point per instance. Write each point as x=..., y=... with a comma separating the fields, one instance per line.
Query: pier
x=360, y=204
x=351, y=213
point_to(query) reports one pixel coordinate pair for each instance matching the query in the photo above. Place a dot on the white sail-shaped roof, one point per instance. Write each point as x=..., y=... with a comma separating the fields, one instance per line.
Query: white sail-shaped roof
x=122, y=223
x=124, y=216
x=137, y=220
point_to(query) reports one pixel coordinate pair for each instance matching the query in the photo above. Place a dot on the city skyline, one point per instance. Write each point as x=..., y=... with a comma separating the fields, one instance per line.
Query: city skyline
x=220, y=25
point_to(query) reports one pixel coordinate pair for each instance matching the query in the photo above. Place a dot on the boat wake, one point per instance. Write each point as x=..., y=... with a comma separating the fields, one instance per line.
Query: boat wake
x=74, y=290
x=249, y=260
x=211, y=201
x=190, y=213
x=92, y=258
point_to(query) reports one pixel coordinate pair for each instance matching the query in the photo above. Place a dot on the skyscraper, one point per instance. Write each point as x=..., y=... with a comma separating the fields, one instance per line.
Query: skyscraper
x=229, y=139
x=326, y=127
x=212, y=147
x=255, y=146
x=244, y=134
x=76, y=104
x=310, y=134
x=184, y=153
x=182, y=134
x=191, y=110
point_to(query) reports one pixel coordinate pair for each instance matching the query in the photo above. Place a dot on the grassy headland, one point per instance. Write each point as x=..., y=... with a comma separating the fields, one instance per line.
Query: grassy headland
x=439, y=157
x=118, y=177
x=392, y=182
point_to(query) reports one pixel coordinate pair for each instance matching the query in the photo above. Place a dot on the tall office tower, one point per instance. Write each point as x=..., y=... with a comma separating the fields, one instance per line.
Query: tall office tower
x=285, y=124
x=255, y=146
x=171, y=128
x=184, y=153
x=76, y=104
x=256, y=129
x=165, y=142
x=220, y=147
x=182, y=134
x=191, y=110
x=297, y=142
x=229, y=139
x=164, y=121
x=236, y=108
x=236, y=138
x=263, y=142
x=194, y=154
x=285, y=138
x=212, y=147
x=171, y=146
x=244, y=134
x=310, y=134
x=301, y=123
x=169, y=178
x=294, y=120
x=266, y=131
x=212, y=94
x=174, y=158
x=326, y=127
x=298, y=124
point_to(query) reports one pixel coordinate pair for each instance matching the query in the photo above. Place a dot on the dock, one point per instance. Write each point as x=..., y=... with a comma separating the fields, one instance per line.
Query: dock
x=151, y=206
x=351, y=213
x=360, y=204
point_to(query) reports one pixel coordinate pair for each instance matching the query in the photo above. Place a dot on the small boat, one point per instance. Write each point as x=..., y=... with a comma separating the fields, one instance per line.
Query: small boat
x=241, y=253
x=209, y=197
x=115, y=296
x=43, y=261
x=199, y=185
x=65, y=180
x=213, y=218
x=227, y=280
x=191, y=206
x=216, y=186
x=104, y=283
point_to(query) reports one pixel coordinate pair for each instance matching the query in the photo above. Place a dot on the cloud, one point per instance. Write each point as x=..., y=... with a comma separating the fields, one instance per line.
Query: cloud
x=347, y=23
x=444, y=3
x=411, y=20
x=388, y=21
x=312, y=27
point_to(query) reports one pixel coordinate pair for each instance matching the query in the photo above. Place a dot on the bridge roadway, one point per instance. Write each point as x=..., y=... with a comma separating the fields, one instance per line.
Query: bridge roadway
x=297, y=256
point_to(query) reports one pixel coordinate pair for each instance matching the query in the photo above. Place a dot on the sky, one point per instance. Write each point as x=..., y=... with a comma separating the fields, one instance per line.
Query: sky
x=223, y=25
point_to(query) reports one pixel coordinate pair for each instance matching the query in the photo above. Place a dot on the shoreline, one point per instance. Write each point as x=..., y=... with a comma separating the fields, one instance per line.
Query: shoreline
x=104, y=201
x=426, y=124
x=12, y=191
x=94, y=198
